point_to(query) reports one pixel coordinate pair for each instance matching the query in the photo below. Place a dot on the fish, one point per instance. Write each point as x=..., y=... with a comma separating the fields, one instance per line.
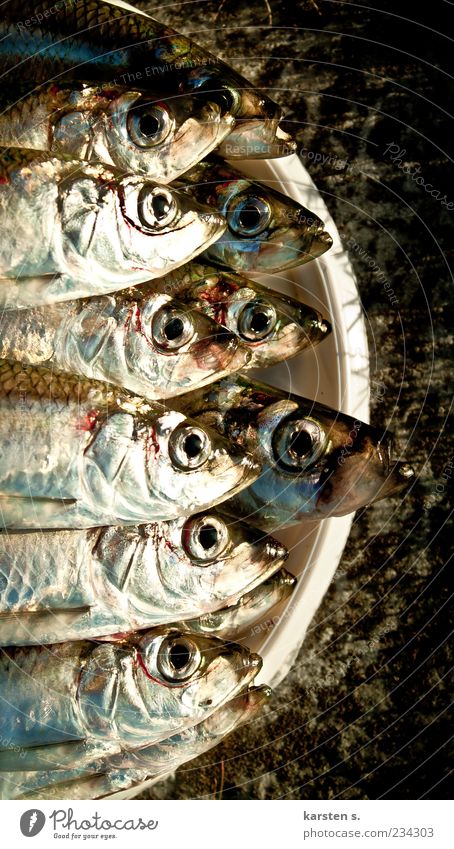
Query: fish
x=272, y=326
x=316, y=461
x=71, y=585
x=77, y=453
x=72, y=229
x=99, y=42
x=119, y=126
x=151, y=763
x=78, y=702
x=237, y=619
x=266, y=230
x=138, y=339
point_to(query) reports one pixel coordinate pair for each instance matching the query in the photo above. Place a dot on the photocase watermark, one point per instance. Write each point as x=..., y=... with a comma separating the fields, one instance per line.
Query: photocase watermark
x=440, y=487
x=330, y=160
x=342, y=666
x=397, y=153
x=7, y=743
x=129, y=77
x=32, y=822
x=268, y=624
x=36, y=20
x=246, y=149
x=352, y=245
x=65, y=825
x=346, y=450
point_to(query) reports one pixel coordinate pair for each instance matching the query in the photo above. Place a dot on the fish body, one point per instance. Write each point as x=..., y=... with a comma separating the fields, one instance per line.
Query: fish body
x=122, y=127
x=126, y=771
x=76, y=702
x=77, y=453
x=140, y=340
x=266, y=230
x=238, y=618
x=272, y=326
x=69, y=585
x=72, y=229
x=316, y=462
x=96, y=41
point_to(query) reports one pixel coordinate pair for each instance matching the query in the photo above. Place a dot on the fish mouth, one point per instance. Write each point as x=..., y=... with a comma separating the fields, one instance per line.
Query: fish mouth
x=321, y=243
x=361, y=474
x=257, y=139
x=399, y=478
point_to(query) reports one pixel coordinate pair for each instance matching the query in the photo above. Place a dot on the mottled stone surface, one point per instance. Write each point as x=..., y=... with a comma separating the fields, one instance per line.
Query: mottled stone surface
x=363, y=713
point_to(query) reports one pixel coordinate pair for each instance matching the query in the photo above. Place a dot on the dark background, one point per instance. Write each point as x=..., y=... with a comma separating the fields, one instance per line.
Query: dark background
x=364, y=712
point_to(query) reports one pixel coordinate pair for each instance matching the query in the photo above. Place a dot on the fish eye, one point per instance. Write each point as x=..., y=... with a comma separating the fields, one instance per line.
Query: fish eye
x=249, y=215
x=206, y=538
x=189, y=447
x=171, y=328
x=148, y=124
x=256, y=321
x=298, y=444
x=157, y=206
x=178, y=658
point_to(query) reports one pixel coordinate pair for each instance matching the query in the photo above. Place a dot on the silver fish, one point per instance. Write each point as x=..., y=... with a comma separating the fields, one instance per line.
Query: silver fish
x=266, y=230
x=141, y=133
x=72, y=229
x=70, y=44
x=236, y=619
x=75, y=703
x=273, y=326
x=138, y=339
x=69, y=585
x=124, y=772
x=316, y=462
x=76, y=453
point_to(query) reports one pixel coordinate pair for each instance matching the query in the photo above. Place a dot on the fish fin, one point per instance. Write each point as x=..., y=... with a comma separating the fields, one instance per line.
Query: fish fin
x=65, y=615
x=57, y=756
x=17, y=511
x=32, y=627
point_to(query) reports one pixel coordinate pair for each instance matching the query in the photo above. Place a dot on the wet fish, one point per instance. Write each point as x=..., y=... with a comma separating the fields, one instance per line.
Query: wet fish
x=91, y=40
x=316, y=462
x=266, y=230
x=69, y=585
x=239, y=618
x=152, y=762
x=77, y=702
x=138, y=339
x=77, y=453
x=273, y=326
x=72, y=229
x=120, y=126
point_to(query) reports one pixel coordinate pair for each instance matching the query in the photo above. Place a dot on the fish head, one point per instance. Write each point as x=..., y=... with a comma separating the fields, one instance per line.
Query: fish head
x=273, y=326
x=197, y=674
x=191, y=466
x=161, y=139
x=127, y=230
x=323, y=463
x=211, y=559
x=166, y=341
x=256, y=133
x=266, y=230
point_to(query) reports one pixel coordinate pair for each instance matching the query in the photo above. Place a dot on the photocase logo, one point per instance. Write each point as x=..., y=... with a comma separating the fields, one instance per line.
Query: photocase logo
x=32, y=822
